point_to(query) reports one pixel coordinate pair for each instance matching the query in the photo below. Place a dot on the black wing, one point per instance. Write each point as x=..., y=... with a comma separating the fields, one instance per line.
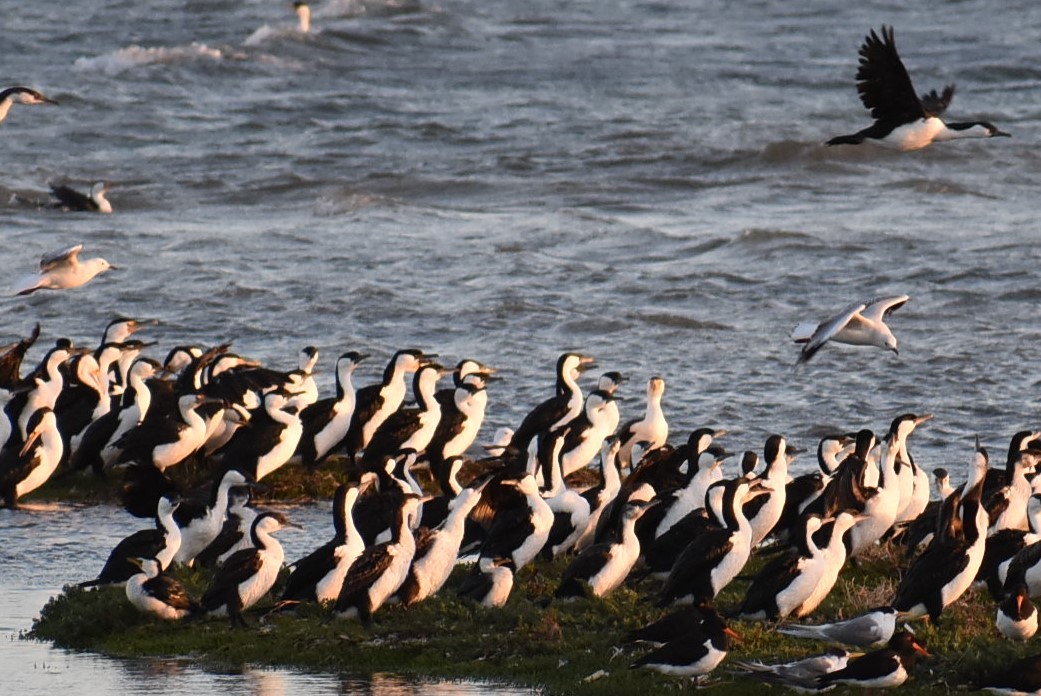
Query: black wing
x=72, y=199
x=540, y=419
x=230, y=534
x=871, y=666
x=935, y=104
x=316, y=416
x=240, y=566
x=1027, y=558
x=14, y=469
x=928, y=573
x=362, y=574
x=679, y=652
x=170, y=592
x=510, y=528
x=883, y=83
x=771, y=580
x=11, y=360
x=582, y=568
x=391, y=434
x=669, y=627
x=692, y=569
x=309, y=571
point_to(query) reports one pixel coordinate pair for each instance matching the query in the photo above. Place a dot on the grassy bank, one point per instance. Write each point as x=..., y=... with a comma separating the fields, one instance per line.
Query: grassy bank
x=291, y=483
x=565, y=648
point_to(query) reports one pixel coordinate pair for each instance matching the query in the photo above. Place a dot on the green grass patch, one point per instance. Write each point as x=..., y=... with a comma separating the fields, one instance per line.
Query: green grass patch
x=563, y=647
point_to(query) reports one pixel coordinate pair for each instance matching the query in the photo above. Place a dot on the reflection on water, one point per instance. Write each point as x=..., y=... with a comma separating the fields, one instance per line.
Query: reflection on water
x=45, y=548
x=31, y=667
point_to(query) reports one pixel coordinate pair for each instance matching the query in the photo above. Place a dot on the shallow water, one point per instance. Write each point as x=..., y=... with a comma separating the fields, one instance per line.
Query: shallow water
x=640, y=180
x=46, y=547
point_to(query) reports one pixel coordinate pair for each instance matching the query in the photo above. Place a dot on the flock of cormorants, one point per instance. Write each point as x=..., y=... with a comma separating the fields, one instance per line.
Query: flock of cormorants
x=666, y=510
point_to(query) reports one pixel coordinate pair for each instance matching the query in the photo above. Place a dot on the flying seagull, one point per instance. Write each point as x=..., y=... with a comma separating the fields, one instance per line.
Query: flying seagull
x=859, y=324
x=61, y=270
x=903, y=120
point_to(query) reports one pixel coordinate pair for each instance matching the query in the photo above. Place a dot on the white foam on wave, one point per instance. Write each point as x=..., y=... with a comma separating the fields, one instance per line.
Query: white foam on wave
x=347, y=202
x=267, y=33
x=376, y=8
x=133, y=56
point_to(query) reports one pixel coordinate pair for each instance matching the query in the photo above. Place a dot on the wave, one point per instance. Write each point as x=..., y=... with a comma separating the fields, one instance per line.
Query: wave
x=763, y=235
x=133, y=56
x=351, y=202
x=368, y=8
x=940, y=186
x=269, y=33
x=676, y=321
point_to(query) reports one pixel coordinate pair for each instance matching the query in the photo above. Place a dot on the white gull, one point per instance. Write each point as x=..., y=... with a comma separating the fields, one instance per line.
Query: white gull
x=859, y=324
x=61, y=270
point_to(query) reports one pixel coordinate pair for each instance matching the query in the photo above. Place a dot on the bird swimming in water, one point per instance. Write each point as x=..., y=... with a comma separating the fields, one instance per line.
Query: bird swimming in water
x=859, y=324
x=92, y=202
x=303, y=13
x=903, y=120
x=20, y=95
x=61, y=270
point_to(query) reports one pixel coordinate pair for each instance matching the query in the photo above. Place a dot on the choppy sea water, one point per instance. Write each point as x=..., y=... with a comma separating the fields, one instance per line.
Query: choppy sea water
x=642, y=181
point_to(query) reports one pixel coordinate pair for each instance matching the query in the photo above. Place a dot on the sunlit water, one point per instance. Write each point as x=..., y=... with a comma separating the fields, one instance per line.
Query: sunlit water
x=640, y=180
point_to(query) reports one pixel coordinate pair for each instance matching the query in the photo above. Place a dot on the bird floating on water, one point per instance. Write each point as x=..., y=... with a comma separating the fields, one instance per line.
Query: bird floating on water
x=903, y=121
x=303, y=12
x=61, y=270
x=92, y=202
x=859, y=324
x=20, y=95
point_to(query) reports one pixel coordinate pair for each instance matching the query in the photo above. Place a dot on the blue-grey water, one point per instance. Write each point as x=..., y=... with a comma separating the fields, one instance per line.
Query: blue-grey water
x=644, y=181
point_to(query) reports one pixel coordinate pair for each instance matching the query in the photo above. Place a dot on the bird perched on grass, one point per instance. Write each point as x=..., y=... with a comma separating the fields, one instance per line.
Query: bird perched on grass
x=248, y=574
x=870, y=628
x=694, y=654
x=154, y=593
x=801, y=675
x=881, y=669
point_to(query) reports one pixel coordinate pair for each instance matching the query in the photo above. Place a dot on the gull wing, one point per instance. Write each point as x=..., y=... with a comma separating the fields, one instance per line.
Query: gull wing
x=827, y=329
x=881, y=307
x=57, y=258
x=804, y=331
x=883, y=83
